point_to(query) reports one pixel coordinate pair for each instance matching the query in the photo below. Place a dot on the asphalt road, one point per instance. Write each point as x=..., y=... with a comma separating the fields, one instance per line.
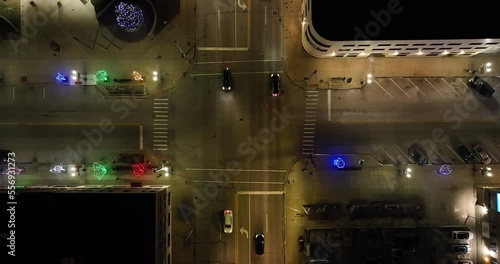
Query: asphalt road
x=260, y=214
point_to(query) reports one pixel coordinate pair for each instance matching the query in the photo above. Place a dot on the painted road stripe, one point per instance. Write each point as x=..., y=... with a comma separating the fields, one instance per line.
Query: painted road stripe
x=161, y=115
x=160, y=120
x=160, y=145
x=160, y=132
x=160, y=136
x=241, y=170
x=329, y=105
x=160, y=128
x=161, y=99
x=160, y=149
x=141, y=137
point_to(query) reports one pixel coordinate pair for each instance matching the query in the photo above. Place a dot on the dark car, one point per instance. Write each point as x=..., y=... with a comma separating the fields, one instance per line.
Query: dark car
x=418, y=155
x=227, y=79
x=465, y=154
x=481, y=87
x=460, y=249
x=259, y=244
x=4, y=156
x=275, y=86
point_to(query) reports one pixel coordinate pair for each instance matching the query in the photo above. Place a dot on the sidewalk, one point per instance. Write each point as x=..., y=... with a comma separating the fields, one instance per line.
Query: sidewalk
x=330, y=72
x=86, y=47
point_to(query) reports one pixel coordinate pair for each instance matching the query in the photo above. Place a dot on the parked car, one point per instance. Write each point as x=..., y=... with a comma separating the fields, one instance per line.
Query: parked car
x=465, y=154
x=228, y=221
x=418, y=155
x=259, y=244
x=481, y=154
x=275, y=85
x=227, y=79
x=460, y=249
x=481, y=87
x=462, y=235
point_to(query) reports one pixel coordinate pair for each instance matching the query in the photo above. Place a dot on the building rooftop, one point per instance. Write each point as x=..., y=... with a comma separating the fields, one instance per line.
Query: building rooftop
x=410, y=20
x=93, y=227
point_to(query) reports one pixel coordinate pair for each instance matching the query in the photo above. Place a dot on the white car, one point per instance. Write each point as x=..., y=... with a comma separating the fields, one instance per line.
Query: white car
x=462, y=235
x=228, y=221
x=462, y=262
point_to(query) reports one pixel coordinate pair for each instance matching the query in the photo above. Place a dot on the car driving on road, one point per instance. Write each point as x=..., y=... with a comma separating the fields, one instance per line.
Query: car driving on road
x=228, y=221
x=275, y=85
x=227, y=79
x=259, y=244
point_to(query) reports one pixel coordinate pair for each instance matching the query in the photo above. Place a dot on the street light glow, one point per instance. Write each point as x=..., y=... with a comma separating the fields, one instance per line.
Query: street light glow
x=488, y=64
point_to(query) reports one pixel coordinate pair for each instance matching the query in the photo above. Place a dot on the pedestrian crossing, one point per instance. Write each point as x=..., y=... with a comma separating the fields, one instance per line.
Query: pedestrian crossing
x=310, y=122
x=160, y=124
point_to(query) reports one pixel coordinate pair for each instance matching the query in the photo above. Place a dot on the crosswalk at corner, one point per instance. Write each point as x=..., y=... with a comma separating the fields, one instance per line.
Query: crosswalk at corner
x=310, y=122
x=160, y=124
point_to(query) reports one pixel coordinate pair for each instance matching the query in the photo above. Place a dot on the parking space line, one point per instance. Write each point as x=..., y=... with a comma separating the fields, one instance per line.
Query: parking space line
x=387, y=154
x=439, y=154
x=383, y=88
x=453, y=89
x=466, y=86
x=398, y=87
x=13, y=92
x=329, y=105
x=433, y=87
x=406, y=155
x=141, y=137
x=452, y=150
x=493, y=157
x=44, y=92
x=218, y=18
x=416, y=87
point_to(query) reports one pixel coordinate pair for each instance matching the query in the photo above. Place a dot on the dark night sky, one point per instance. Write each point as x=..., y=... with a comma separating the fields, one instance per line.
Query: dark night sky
x=412, y=19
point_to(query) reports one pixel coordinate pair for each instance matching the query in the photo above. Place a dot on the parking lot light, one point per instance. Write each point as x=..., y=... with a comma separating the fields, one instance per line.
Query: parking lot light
x=484, y=210
x=420, y=52
x=488, y=64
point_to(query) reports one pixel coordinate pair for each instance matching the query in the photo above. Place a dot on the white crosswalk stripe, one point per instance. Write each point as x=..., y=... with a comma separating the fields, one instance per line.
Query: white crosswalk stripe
x=311, y=107
x=160, y=124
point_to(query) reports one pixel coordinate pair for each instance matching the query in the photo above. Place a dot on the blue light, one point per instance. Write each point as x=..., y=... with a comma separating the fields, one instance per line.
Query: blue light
x=498, y=202
x=61, y=78
x=339, y=163
x=445, y=170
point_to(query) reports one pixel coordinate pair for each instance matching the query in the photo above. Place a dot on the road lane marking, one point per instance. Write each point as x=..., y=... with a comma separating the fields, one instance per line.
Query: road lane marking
x=160, y=149
x=266, y=224
x=452, y=150
x=235, y=73
x=416, y=86
x=382, y=88
x=240, y=170
x=161, y=136
x=239, y=182
x=13, y=92
x=449, y=85
x=218, y=18
x=439, y=154
x=265, y=14
x=161, y=99
x=161, y=115
x=141, y=137
x=387, y=154
x=400, y=87
x=66, y=124
x=260, y=192
x=160, y=145
x=329, y=105
x=160, y=132
x=249, y=230
x=159, y=120
x=239, y=61
x=433, y=87
x=410, y=121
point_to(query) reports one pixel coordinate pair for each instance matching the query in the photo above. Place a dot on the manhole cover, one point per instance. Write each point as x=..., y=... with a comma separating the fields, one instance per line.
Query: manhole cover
x=280, y=19
x=275, y=12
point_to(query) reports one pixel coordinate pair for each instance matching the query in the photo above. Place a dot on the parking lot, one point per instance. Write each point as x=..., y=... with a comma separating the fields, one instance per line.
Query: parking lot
x=420, y=89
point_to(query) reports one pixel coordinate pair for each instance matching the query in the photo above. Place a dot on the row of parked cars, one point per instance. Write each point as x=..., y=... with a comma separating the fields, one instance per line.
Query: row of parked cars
x=460, y=246
x=478, y=154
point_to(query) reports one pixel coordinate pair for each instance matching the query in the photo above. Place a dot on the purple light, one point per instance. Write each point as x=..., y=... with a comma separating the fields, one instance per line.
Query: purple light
x=129, y=17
